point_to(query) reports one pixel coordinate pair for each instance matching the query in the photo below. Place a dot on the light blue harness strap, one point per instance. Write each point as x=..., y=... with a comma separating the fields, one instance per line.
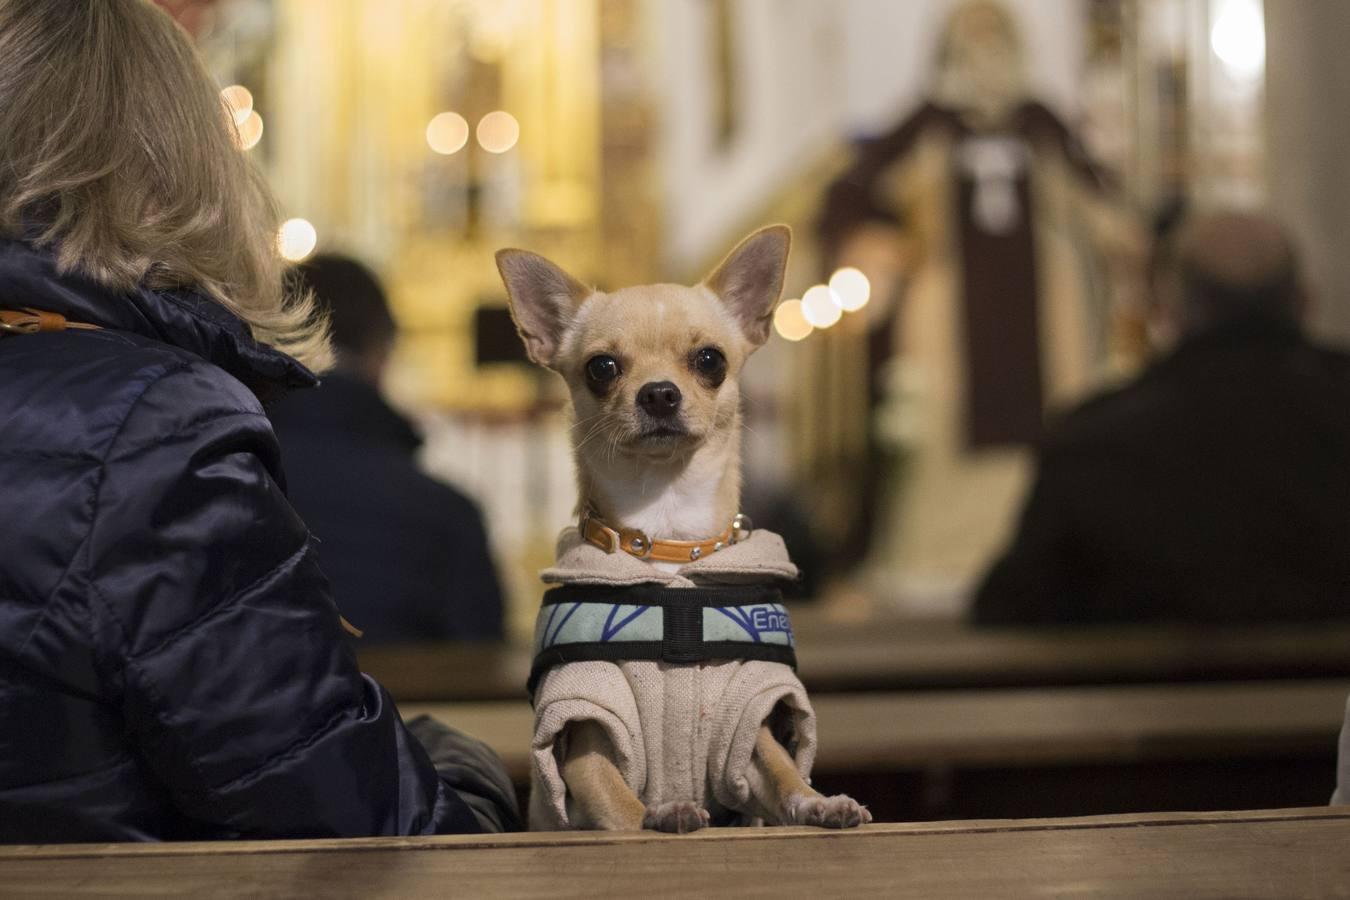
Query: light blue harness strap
x=580, y=623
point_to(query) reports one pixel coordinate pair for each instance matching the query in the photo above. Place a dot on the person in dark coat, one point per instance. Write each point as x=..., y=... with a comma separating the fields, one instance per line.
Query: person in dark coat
x=172, y=665
x=1213, y=489
x=407, y=555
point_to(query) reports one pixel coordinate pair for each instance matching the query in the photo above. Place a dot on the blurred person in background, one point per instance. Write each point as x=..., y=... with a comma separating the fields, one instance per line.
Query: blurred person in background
x=171, y=663
x=1214, y=488
x=407, y=555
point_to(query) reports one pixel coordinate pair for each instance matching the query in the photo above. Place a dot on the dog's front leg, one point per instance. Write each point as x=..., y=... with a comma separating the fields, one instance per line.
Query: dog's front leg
x=602, y=799
x=784, y=797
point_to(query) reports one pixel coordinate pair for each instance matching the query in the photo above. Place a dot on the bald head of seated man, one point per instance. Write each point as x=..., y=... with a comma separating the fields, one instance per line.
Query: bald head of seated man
x=1223, y=269
x=1214, y=487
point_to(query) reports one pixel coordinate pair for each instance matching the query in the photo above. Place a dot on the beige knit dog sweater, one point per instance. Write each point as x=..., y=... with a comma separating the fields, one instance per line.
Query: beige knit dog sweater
x=679, y=732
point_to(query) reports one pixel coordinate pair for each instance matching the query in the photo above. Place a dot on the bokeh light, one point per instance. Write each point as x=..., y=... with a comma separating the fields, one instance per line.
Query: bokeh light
x=852, y=288
x=498, y=131
x=789, y=321
x=249, y=131
x=240, y=101
x=297, y=239
x=821, y=306
x=447, y=133
x=1238, y=38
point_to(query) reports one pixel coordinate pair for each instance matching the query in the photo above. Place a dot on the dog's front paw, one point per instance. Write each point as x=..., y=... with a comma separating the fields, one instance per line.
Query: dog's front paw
x=839, y=811
x=676, y=817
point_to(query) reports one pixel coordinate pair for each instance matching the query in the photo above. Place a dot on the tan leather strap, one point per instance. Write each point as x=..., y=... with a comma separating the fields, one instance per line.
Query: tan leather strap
x=32, y=321
x=636, y=543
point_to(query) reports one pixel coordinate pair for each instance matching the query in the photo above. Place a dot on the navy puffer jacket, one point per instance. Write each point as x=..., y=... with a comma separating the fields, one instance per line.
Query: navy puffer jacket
x=171, y=664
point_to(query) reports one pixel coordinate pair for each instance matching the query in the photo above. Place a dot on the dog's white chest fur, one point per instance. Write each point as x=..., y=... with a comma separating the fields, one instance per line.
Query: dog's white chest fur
x=684, y=501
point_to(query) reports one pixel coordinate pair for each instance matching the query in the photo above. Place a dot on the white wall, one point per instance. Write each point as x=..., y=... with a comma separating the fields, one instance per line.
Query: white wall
x=1307, y=92
x=789, y=83
x=891, y=46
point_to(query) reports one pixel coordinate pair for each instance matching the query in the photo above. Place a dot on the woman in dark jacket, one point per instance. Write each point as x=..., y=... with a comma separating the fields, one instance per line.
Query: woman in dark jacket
x=171, y=665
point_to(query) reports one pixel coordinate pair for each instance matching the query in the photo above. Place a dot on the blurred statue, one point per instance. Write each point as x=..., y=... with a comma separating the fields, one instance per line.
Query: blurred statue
x=1003, y=230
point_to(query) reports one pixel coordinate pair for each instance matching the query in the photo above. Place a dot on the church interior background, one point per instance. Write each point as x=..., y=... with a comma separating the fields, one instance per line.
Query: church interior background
x=636, y=140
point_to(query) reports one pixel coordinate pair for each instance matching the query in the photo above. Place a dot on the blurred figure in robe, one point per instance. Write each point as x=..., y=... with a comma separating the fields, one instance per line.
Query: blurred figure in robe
x=1008, y=229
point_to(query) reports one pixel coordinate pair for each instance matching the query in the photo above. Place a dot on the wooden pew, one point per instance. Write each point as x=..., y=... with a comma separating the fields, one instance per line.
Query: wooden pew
x=888, y=655
x=1281, y=853
x=892, y=655
x=1064, y=750
x=1041, y=726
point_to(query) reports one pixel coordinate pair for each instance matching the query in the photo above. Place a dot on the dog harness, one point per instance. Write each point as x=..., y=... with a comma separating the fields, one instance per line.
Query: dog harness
x=684, y=625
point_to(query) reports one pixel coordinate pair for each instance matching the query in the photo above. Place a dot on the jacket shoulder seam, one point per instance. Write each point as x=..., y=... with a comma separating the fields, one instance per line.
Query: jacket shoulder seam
x=150, y=688
x=290, y=751
x=67, y=456
x=225, y=603
x=82, y=549
x=217, y=792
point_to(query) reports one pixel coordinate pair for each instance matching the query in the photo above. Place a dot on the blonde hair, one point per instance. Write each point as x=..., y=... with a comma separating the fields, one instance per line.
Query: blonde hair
x=117, y=151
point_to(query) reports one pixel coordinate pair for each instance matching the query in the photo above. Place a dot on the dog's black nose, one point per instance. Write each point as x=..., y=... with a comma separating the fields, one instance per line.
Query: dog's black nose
x=660, y=399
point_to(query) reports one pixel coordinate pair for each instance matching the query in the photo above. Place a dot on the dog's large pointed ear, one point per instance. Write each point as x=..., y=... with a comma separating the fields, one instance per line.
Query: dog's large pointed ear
x=750, y=280
x=543, y=300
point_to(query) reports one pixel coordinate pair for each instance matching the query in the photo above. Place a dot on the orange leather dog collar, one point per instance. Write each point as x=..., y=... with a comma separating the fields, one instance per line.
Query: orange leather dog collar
x=636, y=543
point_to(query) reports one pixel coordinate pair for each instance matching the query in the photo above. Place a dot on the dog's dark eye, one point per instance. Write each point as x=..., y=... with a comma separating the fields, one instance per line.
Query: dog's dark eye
x=711, y=364
x=601, y=370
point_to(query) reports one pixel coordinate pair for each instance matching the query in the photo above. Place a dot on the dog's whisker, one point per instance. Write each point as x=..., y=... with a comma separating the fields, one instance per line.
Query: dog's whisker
x=595, y=431
x=580, y=422
x=613, y=445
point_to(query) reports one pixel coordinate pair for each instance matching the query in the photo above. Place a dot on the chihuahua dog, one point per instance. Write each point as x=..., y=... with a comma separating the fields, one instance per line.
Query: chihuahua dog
x=652, y=372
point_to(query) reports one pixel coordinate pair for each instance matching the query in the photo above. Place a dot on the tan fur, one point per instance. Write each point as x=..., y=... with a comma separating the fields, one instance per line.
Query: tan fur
x=651, y=331
x=602, y=799
x=779, y=776
x=681, y=489
x=684, y=487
